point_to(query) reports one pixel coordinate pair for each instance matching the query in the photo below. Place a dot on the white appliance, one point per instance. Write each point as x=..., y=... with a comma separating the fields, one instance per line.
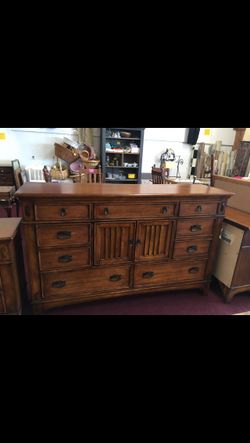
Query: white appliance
x=228, y=251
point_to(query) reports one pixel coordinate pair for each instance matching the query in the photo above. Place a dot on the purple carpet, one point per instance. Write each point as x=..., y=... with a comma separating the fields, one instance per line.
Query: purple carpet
x=189, y=302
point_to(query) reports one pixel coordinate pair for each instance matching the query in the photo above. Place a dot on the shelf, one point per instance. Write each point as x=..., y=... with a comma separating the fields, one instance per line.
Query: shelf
x=125, y=153
x=118, y=147
x=123, y=138
x=123, y=167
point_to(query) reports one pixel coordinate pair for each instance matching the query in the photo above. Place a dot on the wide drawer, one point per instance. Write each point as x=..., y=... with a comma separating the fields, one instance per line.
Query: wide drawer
x=62, y=212
x=198, y=208
x=89, y=280
x=125, y=211
x=64, y=258
x=165, y=273
x=195, y=227
x=61, y=235
x=191, y=248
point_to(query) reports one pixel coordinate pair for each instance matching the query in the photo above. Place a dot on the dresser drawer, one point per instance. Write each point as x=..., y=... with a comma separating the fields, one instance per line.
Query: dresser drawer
x=165, y=273
x=134, y=211
x=198, y=208
x=61, y=235
x=62, y=212
x=70, y=258
x=89, y=280
x=195, y=227
x=191, y=248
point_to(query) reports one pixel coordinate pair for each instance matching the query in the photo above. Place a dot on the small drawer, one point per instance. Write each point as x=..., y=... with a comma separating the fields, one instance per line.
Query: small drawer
x=191, y=248
x=128, y=211
x=195, y=227
x=70, y=258
x=198, y=208
x=89, y=280
x=166, y=273
x=62, y=212
x=61, y=235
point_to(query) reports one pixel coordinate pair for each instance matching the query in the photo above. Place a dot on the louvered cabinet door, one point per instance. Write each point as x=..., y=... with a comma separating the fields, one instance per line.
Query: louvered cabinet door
x=114, y=242
x=153, y=240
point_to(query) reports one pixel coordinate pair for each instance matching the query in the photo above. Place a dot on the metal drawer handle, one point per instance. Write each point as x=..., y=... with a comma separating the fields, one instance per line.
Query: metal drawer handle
x=199, y=208
x=106, y=211
x=27, y=211
x=65, y=258
x=115, y=277
x=148, y=274
x=195, y=228
x=192, y=248
x=63, y=212
x=164, y=210
x=222, y=207
x=58, y=284
x=63, y=235
x=193, y=270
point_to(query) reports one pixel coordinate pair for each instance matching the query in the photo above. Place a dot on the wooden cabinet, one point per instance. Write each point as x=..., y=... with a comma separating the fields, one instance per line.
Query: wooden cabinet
x=88, y=242
x=7, y=177
x=12, y=280
x=121, y=154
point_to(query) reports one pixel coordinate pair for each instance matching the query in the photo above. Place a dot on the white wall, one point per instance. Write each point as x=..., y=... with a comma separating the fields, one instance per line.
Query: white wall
x=226, y=135
x=157, y=140
x=25, y=143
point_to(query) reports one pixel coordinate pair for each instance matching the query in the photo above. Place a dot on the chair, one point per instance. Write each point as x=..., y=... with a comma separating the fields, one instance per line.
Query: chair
x=159, y=175
x=90, y=175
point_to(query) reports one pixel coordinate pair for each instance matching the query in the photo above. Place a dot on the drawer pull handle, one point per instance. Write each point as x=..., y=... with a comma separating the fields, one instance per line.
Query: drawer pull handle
x=191, y=249
x=106, y=211
x=193, y=270
x=58, y=284
x=63, y=235
x=27, y=211
x=164, y=210
x=148, y=274
x=63, y=212
x=65, y=258
x=199, y=208
x=222, y=207
x=115, y=277
x=195, y=228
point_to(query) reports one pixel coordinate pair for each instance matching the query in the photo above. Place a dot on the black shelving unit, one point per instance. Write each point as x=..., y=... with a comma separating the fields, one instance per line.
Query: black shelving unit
x=121, y=155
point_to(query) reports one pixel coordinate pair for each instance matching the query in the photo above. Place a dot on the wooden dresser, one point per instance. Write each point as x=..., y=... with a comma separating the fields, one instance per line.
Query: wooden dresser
x=94, y=241
x=12, y=280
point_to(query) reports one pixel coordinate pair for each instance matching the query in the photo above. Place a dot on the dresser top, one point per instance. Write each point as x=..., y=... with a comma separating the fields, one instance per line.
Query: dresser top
x=100, y=190
x=238, y=218
x=8, y=227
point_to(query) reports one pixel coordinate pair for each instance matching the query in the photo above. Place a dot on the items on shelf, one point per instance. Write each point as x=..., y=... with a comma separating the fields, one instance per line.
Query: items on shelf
x=122, y=148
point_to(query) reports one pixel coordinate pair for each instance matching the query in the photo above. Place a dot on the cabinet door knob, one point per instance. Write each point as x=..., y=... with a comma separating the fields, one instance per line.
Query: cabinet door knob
x=63, y=212
x=106, y=211
x=164, y=210
x=195, y=228
x=199, y=208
